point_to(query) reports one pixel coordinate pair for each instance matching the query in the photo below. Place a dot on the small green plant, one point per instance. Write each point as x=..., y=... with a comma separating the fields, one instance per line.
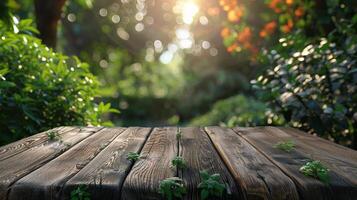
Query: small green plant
x=285, y=145
x=210, y=185
x=178, y=134
x=179, y=162
x=80, y=193
x=53, y=135
x=172, y=188
x=316, y=170
x=133, y=156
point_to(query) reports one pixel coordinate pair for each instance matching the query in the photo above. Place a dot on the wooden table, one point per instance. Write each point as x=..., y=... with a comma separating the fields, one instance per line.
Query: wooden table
x=251, y=168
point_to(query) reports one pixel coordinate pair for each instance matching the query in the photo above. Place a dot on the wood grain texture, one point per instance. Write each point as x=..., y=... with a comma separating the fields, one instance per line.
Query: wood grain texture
x=341, y=159
x=105, y=174
x=290, y=162
x=258, y=176
x=336, y=150
x=47, y=181
x=35, y=168
x=339, y=187
x=155, y=165
x=26, y=143
x=198, y=152
x=21, y=164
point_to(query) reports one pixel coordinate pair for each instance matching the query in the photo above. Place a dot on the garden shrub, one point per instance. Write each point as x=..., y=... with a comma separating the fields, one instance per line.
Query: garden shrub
x=313, y=84
x=238, y=111
x=41, y=89
x=312, y=77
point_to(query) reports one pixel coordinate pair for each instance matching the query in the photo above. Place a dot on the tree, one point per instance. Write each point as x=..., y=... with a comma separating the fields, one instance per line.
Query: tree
x=48, y=13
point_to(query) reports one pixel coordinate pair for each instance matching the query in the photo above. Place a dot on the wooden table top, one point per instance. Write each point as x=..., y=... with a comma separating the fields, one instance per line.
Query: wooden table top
x=246, y=159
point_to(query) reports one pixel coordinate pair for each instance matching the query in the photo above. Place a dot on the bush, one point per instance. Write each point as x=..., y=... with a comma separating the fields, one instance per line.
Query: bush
x=41, y=89
x=313, y=84
x=237, y=111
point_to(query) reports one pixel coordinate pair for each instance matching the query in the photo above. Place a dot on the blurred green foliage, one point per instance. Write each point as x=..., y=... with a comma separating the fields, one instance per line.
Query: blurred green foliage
x=41, y=89
x=133, y=79
x=308, y=73
x=238, y=111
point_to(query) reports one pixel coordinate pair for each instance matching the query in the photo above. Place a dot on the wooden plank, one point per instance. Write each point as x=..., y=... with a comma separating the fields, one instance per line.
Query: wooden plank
x=47, y=181
x=21, y=164
x=259, y=177
x=331, y=151
x=290, y=163
x=105, y=174
x=144, y=178
x=342, y=159
x=26, y=143
x=326, y=146
x=309, y=188
x=198, y=152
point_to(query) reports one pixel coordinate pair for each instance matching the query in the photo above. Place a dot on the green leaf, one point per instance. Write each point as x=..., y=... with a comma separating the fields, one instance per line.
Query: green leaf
x=133, y=156
x=285, y=145
x=210, y=185
x=354, y=19
x=172, y=187
x=204, y=194
x=179, y=162
x=4, y=71
x=113, y=110
x=316, y=170
x=7, y=84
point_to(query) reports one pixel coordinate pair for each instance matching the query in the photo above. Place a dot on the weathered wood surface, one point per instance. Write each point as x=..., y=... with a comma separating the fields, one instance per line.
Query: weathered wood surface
x=47, y=181
x=155, y=165
x=259, y=178
x=26, y=143
x=197, y=150
x=19, y=165
x=245, y=158
x=265, y=138
x=343, y=160
x=106, y=173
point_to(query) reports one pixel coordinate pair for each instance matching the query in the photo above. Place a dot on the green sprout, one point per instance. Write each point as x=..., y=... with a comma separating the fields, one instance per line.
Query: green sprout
x=53, y=135
x=210, y=185
x=172, y=188
x=316, y=170
x=80, y=193
x=178, y=134
x=179, y=162
x=133, y=156
x=285, y=145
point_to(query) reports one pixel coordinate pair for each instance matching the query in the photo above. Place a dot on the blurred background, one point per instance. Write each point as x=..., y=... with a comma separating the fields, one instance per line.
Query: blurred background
x=180, y=63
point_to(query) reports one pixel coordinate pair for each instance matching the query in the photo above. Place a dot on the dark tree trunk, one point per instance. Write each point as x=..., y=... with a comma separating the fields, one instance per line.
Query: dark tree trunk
x=48, y=13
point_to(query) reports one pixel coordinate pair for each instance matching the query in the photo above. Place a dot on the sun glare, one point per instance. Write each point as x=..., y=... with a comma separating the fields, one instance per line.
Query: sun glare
x=186, y=11
x=189, y=10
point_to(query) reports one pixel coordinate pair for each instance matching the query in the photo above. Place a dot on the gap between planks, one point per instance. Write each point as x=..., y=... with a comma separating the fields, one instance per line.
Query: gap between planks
x=199, y=153
x=17, y=166
x=45, y=182
x=270, y=190
x=257, y=175
x=24, y=144
x=142, y=182
x=264, y=138
x=160, y=149
x=105, y=174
